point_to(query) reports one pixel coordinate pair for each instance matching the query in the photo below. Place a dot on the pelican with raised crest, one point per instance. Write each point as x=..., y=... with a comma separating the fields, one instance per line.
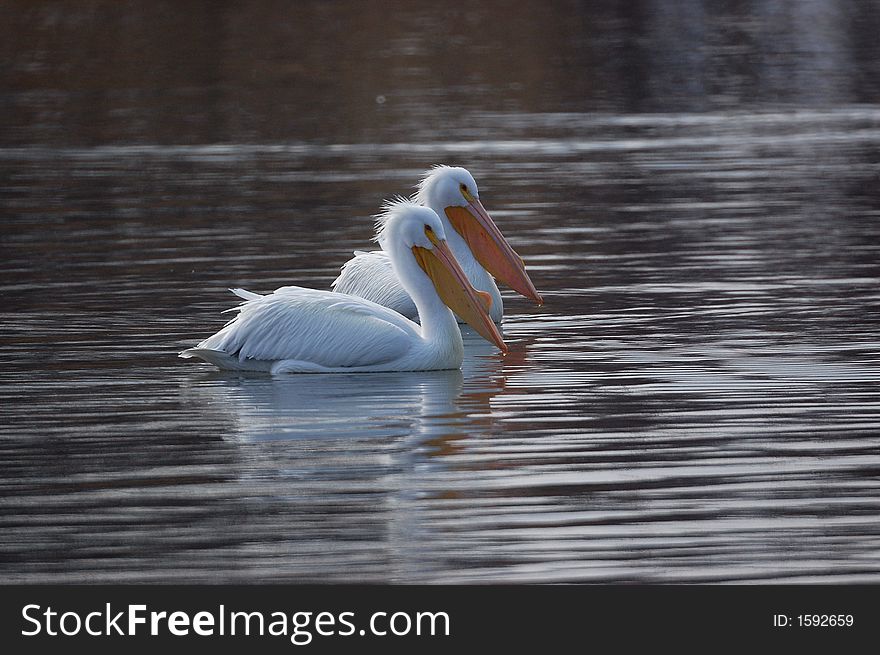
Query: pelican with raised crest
x=474, y=239
x=299, y=330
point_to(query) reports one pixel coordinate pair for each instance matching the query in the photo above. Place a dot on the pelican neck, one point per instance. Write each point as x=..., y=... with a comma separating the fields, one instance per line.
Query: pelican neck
x=438, y=323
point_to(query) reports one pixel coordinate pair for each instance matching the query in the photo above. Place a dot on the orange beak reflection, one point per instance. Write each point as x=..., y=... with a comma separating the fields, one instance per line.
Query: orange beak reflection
x=491, y=248
x=455, y=289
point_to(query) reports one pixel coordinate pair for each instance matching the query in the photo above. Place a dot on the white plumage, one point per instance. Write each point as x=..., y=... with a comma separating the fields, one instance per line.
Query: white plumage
x=299, y=330
x=370, y=275
x=296, y=329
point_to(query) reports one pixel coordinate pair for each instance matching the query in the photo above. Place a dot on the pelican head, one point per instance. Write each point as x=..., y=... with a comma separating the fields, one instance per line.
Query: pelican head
x=405, y=226
x=453, y=191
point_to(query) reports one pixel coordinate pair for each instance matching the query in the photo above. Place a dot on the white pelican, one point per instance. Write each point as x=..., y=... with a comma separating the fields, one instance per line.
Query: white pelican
x=474, y=239
x=297, y=330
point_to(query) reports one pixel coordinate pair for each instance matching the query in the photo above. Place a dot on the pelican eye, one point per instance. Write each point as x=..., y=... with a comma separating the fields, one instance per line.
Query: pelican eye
x=463, y=188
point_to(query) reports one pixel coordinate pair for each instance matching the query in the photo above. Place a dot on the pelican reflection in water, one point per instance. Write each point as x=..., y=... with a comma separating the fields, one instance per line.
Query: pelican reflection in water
x=333, y=461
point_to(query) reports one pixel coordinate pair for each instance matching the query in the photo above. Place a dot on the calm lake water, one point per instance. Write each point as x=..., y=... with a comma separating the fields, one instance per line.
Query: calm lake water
x=695, y=188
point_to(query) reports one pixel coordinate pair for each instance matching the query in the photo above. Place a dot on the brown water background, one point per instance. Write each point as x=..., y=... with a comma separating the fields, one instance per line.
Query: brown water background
x=694, y=186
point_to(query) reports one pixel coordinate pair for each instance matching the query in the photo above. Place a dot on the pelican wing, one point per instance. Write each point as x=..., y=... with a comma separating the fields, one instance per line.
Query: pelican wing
x=369, y=275
x=320, y=327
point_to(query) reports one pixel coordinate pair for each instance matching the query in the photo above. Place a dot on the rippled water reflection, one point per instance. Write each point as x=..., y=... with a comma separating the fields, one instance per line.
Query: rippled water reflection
x=696, y=402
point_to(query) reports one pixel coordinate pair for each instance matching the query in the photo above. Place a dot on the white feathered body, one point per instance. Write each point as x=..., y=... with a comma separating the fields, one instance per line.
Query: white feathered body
x=300, y=330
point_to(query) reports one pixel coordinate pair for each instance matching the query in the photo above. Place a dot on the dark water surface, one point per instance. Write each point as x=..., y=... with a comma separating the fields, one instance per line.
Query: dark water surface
x=694, y=186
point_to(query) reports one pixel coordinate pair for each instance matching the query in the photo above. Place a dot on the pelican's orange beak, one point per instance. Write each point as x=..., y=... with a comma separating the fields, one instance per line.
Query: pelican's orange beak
x=490, y=247
x=456, y=291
